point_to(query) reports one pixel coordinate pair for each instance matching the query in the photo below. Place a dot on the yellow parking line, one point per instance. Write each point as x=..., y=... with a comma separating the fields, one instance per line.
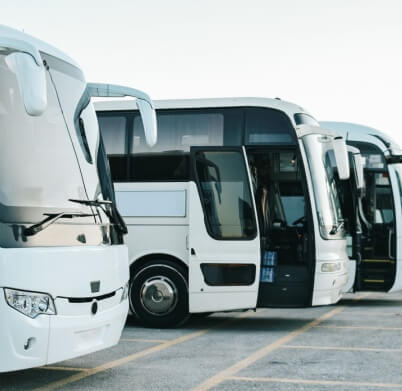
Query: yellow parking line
x=124, y=360
x=357, y=349
x=362, y=328
x=143, y=340
x=232, y=370
x=315, y=382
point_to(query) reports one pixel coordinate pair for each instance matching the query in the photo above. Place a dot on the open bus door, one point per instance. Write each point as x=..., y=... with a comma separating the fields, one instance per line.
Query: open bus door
x=223, y=241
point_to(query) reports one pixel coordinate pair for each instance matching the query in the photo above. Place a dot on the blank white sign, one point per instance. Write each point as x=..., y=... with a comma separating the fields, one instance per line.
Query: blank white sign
x=152, y=203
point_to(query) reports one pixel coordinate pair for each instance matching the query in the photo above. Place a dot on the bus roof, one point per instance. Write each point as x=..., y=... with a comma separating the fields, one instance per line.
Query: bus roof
x=289, y=108
x=8, y=32
x=356, y=132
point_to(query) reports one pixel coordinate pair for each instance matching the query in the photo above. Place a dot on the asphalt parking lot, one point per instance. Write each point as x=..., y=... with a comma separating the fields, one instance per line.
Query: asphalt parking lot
x=354, y=345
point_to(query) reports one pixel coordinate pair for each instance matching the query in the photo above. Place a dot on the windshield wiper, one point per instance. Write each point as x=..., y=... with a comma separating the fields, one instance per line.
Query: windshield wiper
x=110, y=210
x=50, y=219
x=337, y=227
x=99, y=203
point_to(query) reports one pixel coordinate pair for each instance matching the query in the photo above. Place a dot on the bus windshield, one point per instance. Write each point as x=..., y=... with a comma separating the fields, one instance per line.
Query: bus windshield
x=321, y=161
x=49, y=167
x=398, y=169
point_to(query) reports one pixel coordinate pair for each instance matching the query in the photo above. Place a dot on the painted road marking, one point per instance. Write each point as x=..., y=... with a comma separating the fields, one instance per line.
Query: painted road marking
x=231, y=371
x=124, y=360
x=144, y=340
x=357, y=349
x=251, y=359
x=314, y=382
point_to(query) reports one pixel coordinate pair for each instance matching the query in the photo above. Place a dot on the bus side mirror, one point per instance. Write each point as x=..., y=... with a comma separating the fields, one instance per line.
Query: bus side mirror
x=360, y=184
x=148, y=117
x=143, y=101
x=31, y=79
x=341, y=157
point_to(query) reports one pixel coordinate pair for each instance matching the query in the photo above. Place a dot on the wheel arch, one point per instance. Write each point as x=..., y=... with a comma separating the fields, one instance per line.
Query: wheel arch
x=145, y=259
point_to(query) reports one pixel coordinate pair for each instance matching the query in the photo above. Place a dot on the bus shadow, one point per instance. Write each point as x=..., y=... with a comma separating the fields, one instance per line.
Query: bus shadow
x=371, y=302
x=234, y=323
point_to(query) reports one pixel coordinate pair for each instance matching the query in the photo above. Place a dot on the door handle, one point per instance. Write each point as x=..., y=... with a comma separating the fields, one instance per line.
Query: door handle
x=390, y=233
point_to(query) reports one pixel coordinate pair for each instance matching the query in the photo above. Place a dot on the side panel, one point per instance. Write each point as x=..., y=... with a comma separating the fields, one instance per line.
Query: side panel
x=157, y=224
x=398, y=235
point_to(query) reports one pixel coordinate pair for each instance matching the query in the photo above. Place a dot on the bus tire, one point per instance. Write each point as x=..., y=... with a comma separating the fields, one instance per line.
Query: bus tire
x=159, y=294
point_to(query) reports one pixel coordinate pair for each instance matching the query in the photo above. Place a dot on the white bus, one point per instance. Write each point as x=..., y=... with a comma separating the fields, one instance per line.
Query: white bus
x=380, y=266
x=234, y=208
x=63, y=266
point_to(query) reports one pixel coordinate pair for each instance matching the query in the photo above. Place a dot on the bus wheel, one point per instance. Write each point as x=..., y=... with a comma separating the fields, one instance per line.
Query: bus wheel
x=159, y=295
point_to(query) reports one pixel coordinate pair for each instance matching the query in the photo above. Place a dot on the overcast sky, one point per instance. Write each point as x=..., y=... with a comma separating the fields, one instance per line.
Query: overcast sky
x=341, y=60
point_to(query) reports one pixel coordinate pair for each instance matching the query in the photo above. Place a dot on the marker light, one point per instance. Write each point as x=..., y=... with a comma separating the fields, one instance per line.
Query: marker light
x=30, y=304
x=331, y=267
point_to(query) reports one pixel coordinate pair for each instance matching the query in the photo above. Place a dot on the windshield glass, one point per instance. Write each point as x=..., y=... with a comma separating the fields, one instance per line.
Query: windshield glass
x=43, y=163
x=321, y=162
x=398, y=170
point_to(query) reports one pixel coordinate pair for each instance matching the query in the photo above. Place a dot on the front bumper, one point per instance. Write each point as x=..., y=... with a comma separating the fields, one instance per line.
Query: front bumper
x=328, y=287
x=74, y=331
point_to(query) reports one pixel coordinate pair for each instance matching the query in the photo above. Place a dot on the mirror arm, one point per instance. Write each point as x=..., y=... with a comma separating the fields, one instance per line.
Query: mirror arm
x=103, y=90
x=16, y=45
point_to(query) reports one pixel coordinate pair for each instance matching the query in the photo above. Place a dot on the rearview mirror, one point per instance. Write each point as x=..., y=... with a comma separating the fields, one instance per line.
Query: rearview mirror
x=148, y=117
x=144, y=104
x=360, y=184
x=31, y=79
x=356, y=161
x=341, y=157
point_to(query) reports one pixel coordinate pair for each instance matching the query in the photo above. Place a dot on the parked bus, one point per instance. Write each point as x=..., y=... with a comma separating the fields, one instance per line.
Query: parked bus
x=234, y=208
x=63, y=266
x=380, y=268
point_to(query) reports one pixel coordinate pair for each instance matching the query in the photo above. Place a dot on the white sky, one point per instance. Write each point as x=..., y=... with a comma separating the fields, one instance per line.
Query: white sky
x=341, y=59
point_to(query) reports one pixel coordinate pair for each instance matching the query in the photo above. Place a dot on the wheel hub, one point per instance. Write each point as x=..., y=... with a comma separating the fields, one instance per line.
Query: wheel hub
x=159, y=295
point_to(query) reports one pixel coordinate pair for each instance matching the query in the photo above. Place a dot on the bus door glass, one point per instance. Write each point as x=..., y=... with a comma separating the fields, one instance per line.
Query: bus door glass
x=223, y=238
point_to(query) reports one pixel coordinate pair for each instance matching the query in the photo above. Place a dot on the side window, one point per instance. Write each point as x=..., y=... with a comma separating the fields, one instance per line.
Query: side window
x=87, y=131
x=113, y=129
x=268, y=126
x=179, y=131
x=293, y=202
x=168, y=160
x=305, y=119
x=225, y=194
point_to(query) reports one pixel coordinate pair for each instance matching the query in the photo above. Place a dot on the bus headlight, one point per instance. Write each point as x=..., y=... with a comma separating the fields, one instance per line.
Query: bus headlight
x=331, y=267
x=124, y=295
x=30, y=304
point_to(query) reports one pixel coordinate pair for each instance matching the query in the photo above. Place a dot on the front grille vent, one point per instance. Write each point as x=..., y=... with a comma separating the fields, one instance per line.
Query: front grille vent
x=89, y=299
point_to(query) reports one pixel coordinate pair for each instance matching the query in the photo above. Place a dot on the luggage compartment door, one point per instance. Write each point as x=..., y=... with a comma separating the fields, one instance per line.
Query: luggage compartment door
x=223, y=242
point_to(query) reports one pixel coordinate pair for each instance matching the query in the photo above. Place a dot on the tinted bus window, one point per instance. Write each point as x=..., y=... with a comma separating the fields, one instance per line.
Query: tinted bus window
x=305, y=119
x=373, y=157
x=226, y=195
x=178, y=130
x=113, y=130
x=268, y=126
